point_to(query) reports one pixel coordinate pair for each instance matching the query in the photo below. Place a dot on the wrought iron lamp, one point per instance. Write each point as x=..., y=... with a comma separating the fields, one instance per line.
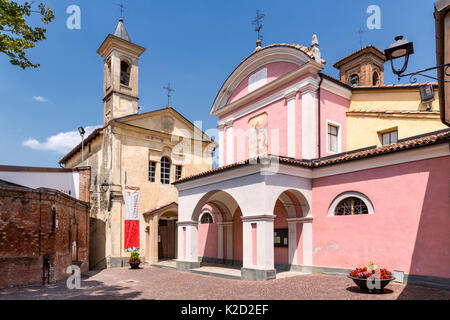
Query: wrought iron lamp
x=105, y=186
x=402, y=48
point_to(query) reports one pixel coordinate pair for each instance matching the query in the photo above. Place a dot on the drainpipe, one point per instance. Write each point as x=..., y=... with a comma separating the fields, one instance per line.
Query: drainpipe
x=319, y=120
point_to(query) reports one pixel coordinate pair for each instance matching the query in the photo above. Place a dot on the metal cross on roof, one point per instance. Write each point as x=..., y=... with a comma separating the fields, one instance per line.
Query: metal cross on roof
x=257, y=23
x=122, y=8
x=360, y=32
x=169, y=90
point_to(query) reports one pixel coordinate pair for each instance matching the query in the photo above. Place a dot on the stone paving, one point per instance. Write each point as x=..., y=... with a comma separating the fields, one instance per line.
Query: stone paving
x=169, y=284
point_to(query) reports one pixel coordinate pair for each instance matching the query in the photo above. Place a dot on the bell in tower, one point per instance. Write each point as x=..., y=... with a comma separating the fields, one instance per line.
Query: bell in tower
x=121, y=66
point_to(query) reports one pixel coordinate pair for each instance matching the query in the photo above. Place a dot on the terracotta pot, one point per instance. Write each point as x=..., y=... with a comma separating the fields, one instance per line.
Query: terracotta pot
x=364, y=284
x=134, y=265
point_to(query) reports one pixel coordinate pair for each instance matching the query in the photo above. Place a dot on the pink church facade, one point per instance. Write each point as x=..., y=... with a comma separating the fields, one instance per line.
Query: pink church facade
x=284, y=177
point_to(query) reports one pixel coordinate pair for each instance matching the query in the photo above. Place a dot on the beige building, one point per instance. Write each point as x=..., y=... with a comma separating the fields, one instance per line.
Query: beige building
x=145, y=152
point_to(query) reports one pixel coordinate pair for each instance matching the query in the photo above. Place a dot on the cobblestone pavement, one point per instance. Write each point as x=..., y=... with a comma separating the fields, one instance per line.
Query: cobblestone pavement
x=169, y=284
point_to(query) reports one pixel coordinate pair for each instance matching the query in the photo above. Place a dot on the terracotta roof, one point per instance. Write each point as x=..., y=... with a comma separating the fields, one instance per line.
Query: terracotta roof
x=337, y=81
x=374, y=50
x=396, y=86
x=288, y=45
x=173, y=204
x=428, y=139
x=394, y=111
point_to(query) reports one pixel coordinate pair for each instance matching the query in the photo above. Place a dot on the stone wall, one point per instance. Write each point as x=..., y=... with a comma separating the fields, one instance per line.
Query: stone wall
x=37, y=222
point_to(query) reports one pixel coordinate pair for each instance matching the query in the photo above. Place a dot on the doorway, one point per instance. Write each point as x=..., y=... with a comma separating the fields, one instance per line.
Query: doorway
x=167, y=235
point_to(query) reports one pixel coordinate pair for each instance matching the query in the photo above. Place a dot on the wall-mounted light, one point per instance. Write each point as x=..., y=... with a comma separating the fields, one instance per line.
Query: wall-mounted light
x=105, y=186
x=427, y=95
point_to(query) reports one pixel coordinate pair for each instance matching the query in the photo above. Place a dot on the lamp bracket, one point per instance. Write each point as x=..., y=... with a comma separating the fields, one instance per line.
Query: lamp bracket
x=413, y=75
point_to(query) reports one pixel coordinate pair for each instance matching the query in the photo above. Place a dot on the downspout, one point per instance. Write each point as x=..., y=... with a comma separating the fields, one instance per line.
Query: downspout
x=319, y=118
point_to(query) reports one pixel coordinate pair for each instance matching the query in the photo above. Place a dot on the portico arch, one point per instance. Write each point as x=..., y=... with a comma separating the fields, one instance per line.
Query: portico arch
x=210, y=242
x=292, y=225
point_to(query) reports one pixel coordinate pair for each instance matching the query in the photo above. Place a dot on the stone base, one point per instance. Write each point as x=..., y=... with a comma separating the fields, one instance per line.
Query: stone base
x=257, y=274
x=187, y=265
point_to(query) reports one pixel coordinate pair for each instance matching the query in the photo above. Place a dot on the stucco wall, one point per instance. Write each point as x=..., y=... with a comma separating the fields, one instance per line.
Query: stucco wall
x=407, y=232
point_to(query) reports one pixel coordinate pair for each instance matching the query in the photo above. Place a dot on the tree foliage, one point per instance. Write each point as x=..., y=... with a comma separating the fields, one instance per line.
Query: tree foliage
x=16, y=35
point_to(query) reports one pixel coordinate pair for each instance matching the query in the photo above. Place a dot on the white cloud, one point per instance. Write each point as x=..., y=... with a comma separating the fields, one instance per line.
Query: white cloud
x=41, y=99
x=61, y=143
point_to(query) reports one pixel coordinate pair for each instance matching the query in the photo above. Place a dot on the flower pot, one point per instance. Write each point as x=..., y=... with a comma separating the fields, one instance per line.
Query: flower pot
x=370, y=285
x=134, y=265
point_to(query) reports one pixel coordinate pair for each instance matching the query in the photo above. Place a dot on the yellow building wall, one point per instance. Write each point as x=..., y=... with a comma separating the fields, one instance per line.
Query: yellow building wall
x=375, y=111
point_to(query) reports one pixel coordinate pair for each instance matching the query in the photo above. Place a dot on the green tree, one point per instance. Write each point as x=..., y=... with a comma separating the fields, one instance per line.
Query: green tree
x=16, y=35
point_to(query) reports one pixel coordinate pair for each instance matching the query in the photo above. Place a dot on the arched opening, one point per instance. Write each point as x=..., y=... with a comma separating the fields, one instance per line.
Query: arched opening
x=167, y=235
x=219, y=229
x=351, y=203
x=292, y=212
x=353, y=80
x=375, y=79
x=165, y=170
x=125, y=71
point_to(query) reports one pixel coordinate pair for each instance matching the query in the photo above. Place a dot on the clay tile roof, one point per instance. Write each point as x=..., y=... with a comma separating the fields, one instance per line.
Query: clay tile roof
x=394, y=86
x=290, y=45
x=366, y=49
x=91, y=137
x=157, y=210
x=427, y=139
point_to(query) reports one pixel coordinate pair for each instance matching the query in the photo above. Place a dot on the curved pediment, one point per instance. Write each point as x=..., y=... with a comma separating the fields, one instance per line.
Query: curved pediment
x=263, y=66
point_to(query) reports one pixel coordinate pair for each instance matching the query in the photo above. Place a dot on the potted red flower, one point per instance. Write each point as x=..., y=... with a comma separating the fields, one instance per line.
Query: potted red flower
x=371, y=277
x=134, y=260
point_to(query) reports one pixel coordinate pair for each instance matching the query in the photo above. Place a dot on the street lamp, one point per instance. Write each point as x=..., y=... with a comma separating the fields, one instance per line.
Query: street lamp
x=402, y=48
x=82, y=132
x=399, y=49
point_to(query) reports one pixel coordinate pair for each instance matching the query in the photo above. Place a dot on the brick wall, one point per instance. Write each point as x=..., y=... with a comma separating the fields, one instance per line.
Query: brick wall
x=36, y=222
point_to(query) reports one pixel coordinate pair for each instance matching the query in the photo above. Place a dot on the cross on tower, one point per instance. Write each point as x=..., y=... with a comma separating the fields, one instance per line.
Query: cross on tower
x=257, y=23
x=122, y=8
x=360, y=32
x=169, y=90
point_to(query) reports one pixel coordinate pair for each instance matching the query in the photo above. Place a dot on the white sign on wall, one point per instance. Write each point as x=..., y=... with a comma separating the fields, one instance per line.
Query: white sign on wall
x=257, y=80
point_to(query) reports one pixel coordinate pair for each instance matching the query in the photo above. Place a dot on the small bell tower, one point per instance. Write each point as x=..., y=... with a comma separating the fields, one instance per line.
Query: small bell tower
x=121, y=71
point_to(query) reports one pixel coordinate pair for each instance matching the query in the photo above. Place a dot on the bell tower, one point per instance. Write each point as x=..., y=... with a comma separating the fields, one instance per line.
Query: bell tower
x=121, y=71
x=364, y=67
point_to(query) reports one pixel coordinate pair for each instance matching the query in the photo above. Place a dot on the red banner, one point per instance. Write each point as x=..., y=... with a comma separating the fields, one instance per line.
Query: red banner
x=132, y=199
x=131, y=235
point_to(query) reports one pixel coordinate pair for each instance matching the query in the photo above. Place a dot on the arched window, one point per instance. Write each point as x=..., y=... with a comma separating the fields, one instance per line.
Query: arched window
x=353, y=80
x=165, y=170
x=351, y=203
x=124, y=73
x=351, y=206
x=375, y=78
x=206, y=218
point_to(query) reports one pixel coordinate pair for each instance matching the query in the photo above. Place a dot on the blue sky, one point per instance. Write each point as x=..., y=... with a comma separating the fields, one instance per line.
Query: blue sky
x=193, y=44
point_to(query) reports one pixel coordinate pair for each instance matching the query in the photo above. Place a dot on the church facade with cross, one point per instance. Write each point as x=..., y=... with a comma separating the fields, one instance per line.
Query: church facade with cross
x=134, y=158
x=318, y=174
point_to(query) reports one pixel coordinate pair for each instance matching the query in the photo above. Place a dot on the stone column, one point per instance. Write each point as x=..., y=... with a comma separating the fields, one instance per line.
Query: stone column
x=258, y=245
x=153, y=239
x=305, y=225
x=187, y=245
